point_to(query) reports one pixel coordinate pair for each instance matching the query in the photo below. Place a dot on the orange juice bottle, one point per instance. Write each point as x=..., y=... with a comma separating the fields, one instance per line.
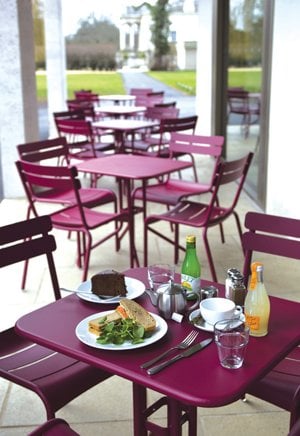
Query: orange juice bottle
x=257, y=303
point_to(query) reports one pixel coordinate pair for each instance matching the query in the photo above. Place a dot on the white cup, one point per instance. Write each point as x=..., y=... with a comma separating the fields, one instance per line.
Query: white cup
x=218, y=309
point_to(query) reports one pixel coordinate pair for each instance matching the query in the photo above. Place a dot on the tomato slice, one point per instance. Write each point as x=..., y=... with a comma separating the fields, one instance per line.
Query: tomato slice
x=122, y=312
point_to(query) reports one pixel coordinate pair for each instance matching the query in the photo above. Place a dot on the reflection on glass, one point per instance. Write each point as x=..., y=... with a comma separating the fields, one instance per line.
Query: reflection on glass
x=244, y=83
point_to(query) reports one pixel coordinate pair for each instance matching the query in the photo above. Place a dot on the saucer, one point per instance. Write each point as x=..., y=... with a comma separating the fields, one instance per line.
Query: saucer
x=196, y=319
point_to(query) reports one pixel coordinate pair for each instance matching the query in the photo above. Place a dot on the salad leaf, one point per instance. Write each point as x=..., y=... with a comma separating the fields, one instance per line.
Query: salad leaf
x=117, y=332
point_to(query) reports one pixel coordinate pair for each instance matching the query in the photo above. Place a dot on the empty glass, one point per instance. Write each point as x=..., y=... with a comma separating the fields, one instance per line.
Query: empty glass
x=231, y=337
x=160, y=276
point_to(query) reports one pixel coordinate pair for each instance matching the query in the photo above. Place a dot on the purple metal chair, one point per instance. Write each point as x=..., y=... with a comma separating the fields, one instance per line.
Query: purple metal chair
x=75, y=217
x=54, y=427
x=278, y=236
x=55, y=378
x=204, y=215
x=172, y=190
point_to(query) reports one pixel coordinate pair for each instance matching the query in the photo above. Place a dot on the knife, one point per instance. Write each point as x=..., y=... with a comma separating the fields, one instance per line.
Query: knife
x=179, y=356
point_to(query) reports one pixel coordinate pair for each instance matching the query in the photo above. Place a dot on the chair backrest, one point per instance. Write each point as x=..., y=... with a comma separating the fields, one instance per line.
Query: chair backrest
x=73, y=129
x=270, y=234
x=155, y=97
x=229, y=172
x=196, y=144
x=52, y=178
x=188, y=124
x=140, y=91
x=166, y=104
x=39, y=151
x=76, y=114
x=158, y=113
x=210, y=146
x=28, y=239
x=238, y=100
x=86, y=106
x=86, y=96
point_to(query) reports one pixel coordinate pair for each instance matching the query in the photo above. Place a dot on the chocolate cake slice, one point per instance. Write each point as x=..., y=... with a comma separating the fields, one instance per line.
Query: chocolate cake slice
x=109, y=282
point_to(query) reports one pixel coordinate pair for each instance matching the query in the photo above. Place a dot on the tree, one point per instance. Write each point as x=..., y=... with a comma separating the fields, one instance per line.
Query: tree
x=39, y=33
x=94, y=45
x=160, y=32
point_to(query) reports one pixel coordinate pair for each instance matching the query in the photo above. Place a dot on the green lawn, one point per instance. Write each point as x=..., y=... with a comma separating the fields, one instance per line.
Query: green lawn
x=98, y=81
x=111, y=82
x=249, y=78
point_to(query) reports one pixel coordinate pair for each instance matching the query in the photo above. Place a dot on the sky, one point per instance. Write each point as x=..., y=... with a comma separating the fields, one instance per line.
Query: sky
x=74, y=10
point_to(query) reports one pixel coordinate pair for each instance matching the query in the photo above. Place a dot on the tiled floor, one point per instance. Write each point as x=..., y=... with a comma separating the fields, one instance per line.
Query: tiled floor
x=106, y=409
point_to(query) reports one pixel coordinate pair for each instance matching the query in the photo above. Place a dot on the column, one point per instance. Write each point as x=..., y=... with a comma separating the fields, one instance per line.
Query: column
x=283, y=142
x=18, y=103
x=204, y=91
x=55, y=61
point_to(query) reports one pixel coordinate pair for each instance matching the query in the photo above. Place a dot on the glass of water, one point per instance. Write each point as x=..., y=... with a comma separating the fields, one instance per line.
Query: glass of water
x=231, y=338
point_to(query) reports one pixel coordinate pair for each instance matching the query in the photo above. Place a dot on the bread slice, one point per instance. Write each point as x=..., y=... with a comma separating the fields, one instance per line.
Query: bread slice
x=95, y=325
x=140, y=315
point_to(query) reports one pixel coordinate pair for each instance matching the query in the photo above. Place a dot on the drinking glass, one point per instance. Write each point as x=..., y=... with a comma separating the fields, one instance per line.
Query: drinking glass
x=160, y=277
x=231, y=337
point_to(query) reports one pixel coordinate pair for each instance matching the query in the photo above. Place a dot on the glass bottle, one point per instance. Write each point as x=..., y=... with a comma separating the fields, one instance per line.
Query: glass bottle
x=238, y=289
x=191, y=268
x=257, y=303
x=228, y=282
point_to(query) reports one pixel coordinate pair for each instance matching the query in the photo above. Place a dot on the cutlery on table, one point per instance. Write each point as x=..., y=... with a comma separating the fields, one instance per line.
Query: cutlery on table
x=181, y=346
x=102, y=297
x=189, y=352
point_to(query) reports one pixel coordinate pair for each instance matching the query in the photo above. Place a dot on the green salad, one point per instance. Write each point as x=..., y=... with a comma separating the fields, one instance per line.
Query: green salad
x=117, y=332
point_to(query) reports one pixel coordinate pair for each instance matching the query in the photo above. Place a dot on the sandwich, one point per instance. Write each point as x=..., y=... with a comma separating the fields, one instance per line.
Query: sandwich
x=127, y=309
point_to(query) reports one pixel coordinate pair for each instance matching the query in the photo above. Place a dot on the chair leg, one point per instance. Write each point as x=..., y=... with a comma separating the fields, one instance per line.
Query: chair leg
x=209, y=256
x=239, y=227
x=87, y=254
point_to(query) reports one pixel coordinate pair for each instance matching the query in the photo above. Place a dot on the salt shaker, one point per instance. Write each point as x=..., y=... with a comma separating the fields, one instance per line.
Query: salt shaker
x=228, y=282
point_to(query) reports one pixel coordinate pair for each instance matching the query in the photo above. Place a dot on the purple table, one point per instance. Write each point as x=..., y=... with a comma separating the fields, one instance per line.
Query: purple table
x=122, y=127
x=120, y=111
x=202, y=381
x=129, y=167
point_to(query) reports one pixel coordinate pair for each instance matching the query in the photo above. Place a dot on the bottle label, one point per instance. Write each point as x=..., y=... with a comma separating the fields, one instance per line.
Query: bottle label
x=191, y=284
x=253, y=322
x=253, y=280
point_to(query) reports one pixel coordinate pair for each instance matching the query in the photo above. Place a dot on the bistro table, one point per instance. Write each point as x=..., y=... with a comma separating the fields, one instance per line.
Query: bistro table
x=130, y=167
x=199, y=380
x=120, y=111
x=123, y=127
x=118, y=98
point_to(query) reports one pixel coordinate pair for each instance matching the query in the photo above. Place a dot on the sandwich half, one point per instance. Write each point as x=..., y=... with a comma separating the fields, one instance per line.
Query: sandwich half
x=126, y=309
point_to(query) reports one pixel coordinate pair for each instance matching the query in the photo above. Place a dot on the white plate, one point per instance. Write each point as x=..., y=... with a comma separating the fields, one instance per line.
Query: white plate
x=83, y=334
x=202, y=324
x=135, y=288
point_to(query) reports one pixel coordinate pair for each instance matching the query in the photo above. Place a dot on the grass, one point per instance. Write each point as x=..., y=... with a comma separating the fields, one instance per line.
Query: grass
x=100, y=82
x=249, y=78
x=112, y=83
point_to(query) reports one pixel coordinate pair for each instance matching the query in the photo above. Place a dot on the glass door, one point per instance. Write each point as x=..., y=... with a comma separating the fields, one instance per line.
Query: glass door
x=244, y=86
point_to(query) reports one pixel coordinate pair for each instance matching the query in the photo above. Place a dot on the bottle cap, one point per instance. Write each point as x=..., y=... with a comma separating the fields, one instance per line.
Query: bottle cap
x=177, y=317
x=191, y=238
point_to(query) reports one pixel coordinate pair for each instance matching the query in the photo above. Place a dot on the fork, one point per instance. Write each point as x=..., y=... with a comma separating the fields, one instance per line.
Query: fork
x=181, y=346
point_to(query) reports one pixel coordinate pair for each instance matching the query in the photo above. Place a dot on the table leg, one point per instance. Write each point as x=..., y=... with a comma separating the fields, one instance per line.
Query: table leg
x=139, y=406
x=133, y=254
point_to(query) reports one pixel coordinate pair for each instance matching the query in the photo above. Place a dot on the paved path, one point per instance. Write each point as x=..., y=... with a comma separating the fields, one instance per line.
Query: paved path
x=184, y=102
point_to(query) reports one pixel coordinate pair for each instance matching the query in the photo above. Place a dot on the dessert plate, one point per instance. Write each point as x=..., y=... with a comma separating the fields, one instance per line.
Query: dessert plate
x=83, y=334
x=197, y=320
x=135, y=288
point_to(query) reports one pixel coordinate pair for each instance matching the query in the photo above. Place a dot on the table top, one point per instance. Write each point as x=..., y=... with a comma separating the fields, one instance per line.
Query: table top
x=125, y=125
x=198, y=380
x=130, y=166
x=117, y=97
x=120, y=110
